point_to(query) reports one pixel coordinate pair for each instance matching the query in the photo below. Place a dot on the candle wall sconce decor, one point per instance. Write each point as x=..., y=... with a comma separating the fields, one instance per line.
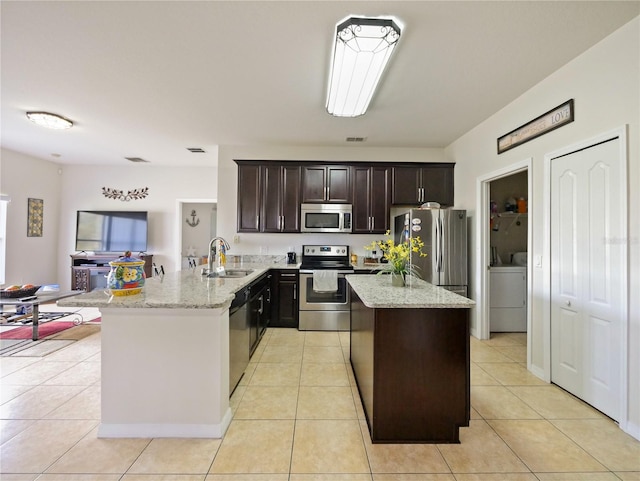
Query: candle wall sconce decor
x=35, y=214
x=118, y=194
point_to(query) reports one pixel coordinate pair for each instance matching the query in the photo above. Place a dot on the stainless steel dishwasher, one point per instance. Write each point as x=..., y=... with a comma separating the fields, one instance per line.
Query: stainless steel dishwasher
x=238, y=337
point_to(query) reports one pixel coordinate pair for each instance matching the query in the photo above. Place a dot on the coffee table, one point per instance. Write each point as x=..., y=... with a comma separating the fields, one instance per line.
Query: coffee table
x=34, y=302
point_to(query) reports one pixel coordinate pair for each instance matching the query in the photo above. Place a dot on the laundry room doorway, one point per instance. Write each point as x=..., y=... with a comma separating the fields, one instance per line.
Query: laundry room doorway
x=503, y=264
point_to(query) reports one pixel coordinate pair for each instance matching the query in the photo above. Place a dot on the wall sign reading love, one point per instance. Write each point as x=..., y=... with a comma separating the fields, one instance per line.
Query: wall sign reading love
x=554, y=118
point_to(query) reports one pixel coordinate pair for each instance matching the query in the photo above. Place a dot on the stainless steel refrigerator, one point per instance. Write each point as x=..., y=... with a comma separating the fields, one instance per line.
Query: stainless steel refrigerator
x=444, y=233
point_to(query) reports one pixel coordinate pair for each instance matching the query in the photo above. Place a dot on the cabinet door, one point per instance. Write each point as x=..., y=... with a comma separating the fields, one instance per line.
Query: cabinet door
x=281, y=199
x=380, y=206
x=314, y=182
x=437, y=182
x=361, y=215
x=371, y=200
x=284, y=308
x=80, y=279
x=338, y=184
x=249, y=198
x=326, y=184
x=272, y=199
x=290, y=199
x=406, y=182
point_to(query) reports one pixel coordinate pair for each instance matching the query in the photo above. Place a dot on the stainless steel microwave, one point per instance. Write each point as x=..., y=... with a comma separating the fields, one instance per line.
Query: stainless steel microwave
x=326, y=218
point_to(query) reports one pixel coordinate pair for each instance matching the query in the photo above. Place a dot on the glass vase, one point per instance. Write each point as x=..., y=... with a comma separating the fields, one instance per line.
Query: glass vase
x=397, y=280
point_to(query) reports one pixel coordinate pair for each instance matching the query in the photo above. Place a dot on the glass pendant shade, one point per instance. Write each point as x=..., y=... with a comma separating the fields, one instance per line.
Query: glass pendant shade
x=363, y=47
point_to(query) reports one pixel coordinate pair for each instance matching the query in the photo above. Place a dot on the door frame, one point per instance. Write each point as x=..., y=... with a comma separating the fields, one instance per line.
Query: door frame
x=483, y=242
x=178, y=232
x=621, y=133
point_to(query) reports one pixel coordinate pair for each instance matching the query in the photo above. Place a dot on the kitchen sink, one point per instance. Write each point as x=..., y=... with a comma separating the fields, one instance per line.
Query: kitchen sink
x=231, y=273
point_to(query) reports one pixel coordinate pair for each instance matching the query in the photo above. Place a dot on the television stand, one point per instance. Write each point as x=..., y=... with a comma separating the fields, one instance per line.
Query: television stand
x=89, y=271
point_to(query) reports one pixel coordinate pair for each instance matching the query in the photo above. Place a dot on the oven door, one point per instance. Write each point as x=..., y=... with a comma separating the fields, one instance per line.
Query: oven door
x=311, y=300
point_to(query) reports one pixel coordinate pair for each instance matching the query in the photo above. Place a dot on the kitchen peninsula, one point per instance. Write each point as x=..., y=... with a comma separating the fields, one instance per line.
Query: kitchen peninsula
x=410, y=357
x=165, y=355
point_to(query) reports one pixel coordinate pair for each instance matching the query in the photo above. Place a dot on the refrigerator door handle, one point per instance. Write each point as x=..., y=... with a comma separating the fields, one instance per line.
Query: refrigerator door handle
x=441, y=241
x=437, y=243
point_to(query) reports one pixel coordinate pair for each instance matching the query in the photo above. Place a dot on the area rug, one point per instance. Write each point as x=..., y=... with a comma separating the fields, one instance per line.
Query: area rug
x=44, y=330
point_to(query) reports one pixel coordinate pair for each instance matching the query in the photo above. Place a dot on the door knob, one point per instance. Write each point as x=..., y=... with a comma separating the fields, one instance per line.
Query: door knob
x=568, y=303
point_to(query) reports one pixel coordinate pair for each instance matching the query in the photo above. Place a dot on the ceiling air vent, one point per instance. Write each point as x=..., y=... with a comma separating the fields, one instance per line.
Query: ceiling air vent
x=356, y=139
x=196, y=150
x=135, y=159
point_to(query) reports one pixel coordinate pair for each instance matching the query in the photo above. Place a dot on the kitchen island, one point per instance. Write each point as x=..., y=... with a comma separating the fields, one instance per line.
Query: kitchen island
x=165, y=355
x=410, y=358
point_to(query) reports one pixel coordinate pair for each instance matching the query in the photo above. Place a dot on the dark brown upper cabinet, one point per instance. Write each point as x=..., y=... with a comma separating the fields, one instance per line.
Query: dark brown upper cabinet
x=371, y=199
x=281, y=194
x=268, y=197
x=270, y=192
x=415, y=185
x=326, y=184
x=249, y=197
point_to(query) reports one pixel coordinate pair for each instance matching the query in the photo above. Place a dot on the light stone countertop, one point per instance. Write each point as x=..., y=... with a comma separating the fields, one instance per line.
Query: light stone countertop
x=377, y=292
x=186, y=289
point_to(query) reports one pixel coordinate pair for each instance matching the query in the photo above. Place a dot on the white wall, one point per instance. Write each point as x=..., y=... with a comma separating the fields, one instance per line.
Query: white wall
x=82, y=190
x=30, y=259
x=605, y=83
x=68, y=188
x=278, y=244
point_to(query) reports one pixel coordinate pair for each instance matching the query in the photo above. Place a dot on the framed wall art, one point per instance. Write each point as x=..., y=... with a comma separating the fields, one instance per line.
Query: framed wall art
x=35, y=214
x=551, y=120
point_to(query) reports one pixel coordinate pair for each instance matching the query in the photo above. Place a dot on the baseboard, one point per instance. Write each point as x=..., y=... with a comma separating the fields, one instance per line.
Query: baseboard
x=108, y=430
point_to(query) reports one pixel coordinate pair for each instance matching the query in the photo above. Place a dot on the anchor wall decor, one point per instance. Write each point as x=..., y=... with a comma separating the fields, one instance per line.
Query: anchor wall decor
x=193, y=222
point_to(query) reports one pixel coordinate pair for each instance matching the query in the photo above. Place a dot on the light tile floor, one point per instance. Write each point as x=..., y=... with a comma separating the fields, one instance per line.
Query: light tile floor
x=298, y=417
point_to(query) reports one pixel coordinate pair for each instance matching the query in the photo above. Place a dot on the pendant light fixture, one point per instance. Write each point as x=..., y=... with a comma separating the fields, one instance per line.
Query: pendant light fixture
x=50, y=121
x=363, y=47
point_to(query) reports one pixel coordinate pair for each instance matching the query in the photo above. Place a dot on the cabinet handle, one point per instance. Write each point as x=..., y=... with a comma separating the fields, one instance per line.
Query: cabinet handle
x=287, y=275
x=257, y=222
x=295, y=292
x=326, y=193
x=282, y=223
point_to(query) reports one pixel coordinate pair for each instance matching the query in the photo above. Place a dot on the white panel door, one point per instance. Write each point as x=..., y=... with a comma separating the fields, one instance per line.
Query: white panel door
x=586, y=285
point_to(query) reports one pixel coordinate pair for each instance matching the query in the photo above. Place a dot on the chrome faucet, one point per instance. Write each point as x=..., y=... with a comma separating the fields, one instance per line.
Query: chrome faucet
x=212, y=251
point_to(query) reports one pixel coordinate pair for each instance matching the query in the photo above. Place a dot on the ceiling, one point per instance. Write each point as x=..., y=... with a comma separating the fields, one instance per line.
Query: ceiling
x=150, y=79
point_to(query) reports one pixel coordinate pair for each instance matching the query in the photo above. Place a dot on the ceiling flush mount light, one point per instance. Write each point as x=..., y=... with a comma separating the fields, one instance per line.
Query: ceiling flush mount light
x=50, y=121
x=363, y=47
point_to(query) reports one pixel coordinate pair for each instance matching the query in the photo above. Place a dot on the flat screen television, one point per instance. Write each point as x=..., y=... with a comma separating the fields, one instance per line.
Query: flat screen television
x=111, y=231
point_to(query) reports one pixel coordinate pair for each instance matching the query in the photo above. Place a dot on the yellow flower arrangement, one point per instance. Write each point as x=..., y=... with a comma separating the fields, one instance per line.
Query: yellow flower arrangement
x=398, y=256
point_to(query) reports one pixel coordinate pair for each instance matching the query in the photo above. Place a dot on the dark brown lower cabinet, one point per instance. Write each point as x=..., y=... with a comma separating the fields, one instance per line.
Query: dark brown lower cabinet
x=284, y=307
x=412, y=370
